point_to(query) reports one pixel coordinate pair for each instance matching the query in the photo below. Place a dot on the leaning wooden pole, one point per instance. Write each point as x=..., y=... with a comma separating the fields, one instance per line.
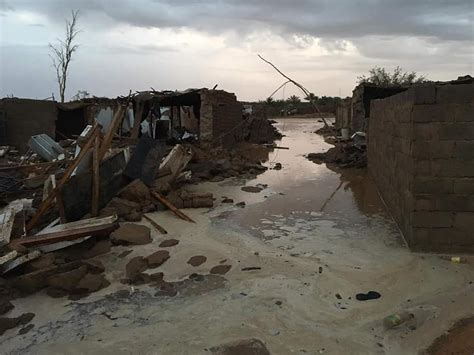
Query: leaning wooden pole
x=301, y=87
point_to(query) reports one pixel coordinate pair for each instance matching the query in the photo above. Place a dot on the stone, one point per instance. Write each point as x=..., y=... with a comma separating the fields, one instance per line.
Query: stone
x=169, y=243
x=10, y=323
x=253, y=189
x=240, y=347
x=240, y=204
x=137, y=192
x=91, y=283
x=123, y=207
x=26, y=329
x=197, y=260
x=167, y=289
x=101, y=247
x=220, y=269
x=134, y=216
x=54, y=292
x=5, y=306
x=67, y=280
x=94, y=266
x=135, y=267
x=227, y=200
x=158, y=258
x=43, y=262
x=33, y=281
x=131, y=233
x=125, y=253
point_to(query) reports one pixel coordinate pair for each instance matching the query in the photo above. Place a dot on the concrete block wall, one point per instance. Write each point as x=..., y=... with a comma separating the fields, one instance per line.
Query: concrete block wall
x=220, y=115
x=421, y=154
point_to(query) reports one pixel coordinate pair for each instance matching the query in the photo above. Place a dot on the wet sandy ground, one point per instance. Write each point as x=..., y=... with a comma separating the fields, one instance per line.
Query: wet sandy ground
x=318, y=236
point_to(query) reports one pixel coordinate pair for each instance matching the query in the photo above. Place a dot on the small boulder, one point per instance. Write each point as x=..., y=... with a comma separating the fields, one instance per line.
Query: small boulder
x=131, y=233
x=197, y=260
x=91, y=283
x=169, y=243
x=123, y=207
x=135, y=267
x=67, y=280
x=158, y=258
x=220, y=269
x=245, y=346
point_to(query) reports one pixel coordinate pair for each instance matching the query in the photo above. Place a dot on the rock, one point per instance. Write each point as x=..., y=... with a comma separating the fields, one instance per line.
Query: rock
x=240, y=347
x=107, y=211
x=9, y=323
x=277, y=166
x=240, y=204
x=135, y=267
x=157, y=276
x=125, y=253
x=67, y=280
x=94, y=266
x=197, y=260
x=137, y=192
x=54, y=292
x=33, y=281
x=101, y=247
x=123, y=207
x=43, y=262
x=5, y=306
x=227, y=200
x=217, y=178
x=91, y=283
x=253, y=189
x=131, y=234
x=220, y=269
x=158, y=258
x=26, y=329
x=168, y=243
x=167, y=289
x=371, y=295
x=135, y=216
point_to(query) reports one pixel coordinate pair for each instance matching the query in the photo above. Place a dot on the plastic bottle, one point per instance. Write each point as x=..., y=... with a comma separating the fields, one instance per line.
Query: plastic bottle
x=394, y=320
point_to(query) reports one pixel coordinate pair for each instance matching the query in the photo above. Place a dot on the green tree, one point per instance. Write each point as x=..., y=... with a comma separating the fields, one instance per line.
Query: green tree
x=270, y=100
x=381, y=77
x=293, y=100
x=311, y=97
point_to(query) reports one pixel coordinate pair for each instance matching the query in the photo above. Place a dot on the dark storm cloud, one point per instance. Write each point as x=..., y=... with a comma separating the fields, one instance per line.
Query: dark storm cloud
x=441, y=19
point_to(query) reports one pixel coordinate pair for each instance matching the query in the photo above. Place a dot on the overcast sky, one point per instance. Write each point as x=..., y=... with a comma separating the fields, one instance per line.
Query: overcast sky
x=178, y=44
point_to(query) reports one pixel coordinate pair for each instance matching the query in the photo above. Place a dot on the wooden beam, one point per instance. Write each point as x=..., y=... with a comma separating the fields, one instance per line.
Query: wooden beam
x=155, y=225
x=170, y=206
x=46, y=204
x=114, y=125
x=60, y=204
x=138, y=120
x=95, y=178
x=71, y=231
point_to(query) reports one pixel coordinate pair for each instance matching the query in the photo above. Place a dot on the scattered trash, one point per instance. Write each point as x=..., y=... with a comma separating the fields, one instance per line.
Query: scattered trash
x=394, y=320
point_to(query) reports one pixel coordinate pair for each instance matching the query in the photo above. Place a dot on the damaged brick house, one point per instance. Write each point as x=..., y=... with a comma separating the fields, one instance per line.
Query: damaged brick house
x=212, y=116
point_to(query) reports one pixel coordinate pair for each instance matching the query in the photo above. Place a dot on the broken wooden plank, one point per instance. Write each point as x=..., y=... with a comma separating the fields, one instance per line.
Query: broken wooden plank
x=8, y=256
x=47, y=248
x=95, y=178
x=155, y=225
x=46, y=204
x=71, y=231
x=170, y=206
x=7, y=220
x=116, y=121
x=19, y=261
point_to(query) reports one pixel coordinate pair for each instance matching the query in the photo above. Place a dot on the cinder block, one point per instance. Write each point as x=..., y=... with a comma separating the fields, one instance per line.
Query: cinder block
x=464, y=186
x=432, y=219
x=453, y=168
x=424, y=94
x=464, y=112
x=431, y=113
x=464, y=221
x=456, y=131
x=432, y=185
x=455, y=93
x=425, y=131
x=464, y=150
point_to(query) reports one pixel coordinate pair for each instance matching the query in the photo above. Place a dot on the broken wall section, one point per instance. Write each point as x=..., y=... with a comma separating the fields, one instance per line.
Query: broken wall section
x=220, y=116
x=421, y=154
x=25, y=118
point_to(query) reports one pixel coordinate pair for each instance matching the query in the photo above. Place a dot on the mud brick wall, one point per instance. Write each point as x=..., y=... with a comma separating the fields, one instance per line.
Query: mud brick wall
x=26, y=118
x=221, y=114
x=421, y=155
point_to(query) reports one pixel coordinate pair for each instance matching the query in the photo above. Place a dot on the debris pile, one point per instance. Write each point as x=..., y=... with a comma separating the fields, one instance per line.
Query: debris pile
x=64, y=204
x=350, y=153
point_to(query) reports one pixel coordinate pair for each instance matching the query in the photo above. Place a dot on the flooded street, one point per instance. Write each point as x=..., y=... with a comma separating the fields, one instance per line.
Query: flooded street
x=299, y=252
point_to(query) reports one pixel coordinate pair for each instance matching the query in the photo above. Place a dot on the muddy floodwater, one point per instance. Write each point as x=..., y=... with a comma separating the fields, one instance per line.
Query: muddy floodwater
x=286, y=268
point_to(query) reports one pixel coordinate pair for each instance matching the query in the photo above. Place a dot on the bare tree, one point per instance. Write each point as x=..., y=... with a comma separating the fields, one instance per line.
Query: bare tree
x=61, y=53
